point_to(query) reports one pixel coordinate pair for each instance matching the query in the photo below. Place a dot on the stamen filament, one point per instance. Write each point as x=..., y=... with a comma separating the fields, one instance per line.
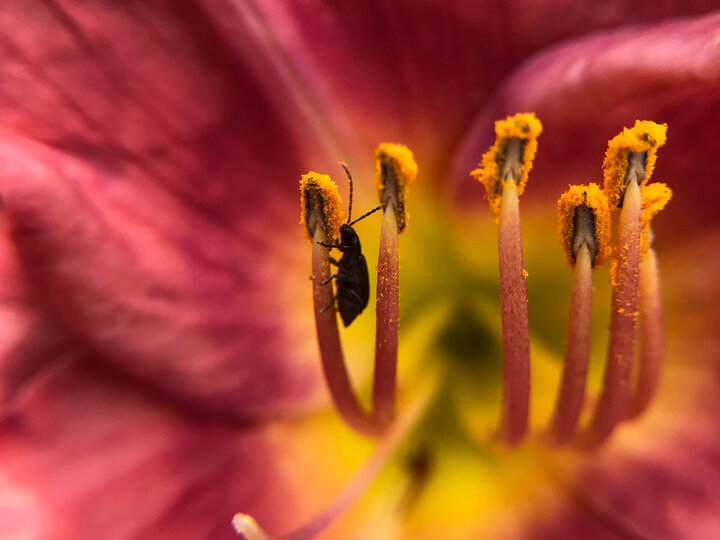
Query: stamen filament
x=395, y=170
x=652, y=335
x=516, y=335
x=613, y=404
x=331, y=352
x=584, y=227
x=577, y=351
x=387, y=316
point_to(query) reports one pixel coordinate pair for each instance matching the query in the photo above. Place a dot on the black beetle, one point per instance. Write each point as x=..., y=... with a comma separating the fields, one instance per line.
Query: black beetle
x=353, y=280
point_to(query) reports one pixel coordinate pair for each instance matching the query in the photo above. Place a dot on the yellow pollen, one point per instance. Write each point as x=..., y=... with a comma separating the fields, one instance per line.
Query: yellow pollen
x=525, y=127
x=594, y=198
x=320, y=205
x=654, y=198
x=644, y=137
x=396, y=168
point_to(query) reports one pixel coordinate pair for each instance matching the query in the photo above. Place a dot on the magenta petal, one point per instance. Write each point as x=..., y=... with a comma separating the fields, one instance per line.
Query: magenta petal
x=157, y=291
x=152, y=86
x=30, y=340
x=406, y=70
x=667, y=488
x=85, y=456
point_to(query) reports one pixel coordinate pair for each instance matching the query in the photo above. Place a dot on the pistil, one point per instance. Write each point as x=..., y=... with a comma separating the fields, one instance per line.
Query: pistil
x=396, y=168
x=387, y=446
x=584, y=226
x=504, y=172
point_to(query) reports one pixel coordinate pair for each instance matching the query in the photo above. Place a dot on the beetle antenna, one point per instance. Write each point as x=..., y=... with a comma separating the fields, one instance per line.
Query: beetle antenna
x=347, y=171
x=366, y=215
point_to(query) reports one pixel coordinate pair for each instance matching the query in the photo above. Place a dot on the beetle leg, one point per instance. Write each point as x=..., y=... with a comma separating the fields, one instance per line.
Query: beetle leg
x=334, y=261
x=330, y=246
x=331, y=278
x=341, y=247
x=323, y=310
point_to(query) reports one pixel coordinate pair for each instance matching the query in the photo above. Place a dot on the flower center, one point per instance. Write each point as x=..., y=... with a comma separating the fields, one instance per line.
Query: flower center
x=587, y=221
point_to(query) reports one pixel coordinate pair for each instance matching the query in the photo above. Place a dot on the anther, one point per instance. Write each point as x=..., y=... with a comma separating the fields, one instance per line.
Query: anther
x=510, y=158
x=584, y=219
x=631, y=156
x=512, y=162
x=584, y=231
x=320, y=205
x=395, y=169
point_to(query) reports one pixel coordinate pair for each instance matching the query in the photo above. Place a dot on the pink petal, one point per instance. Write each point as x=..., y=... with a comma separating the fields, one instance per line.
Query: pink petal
x=151, y=86
x=412, y=71
x=660, y=477
x=587, y=90
x=159, y=291
x=30, y=340
x=86, y=456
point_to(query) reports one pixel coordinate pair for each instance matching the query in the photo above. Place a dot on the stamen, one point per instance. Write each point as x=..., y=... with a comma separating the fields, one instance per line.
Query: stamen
x=504, y=171
x=631, y=156
x=613, y=403
x=628, y=165
x=322, y=216
x=584, y=218
x=584, y=227
x=652, y=330
x=396, y=168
